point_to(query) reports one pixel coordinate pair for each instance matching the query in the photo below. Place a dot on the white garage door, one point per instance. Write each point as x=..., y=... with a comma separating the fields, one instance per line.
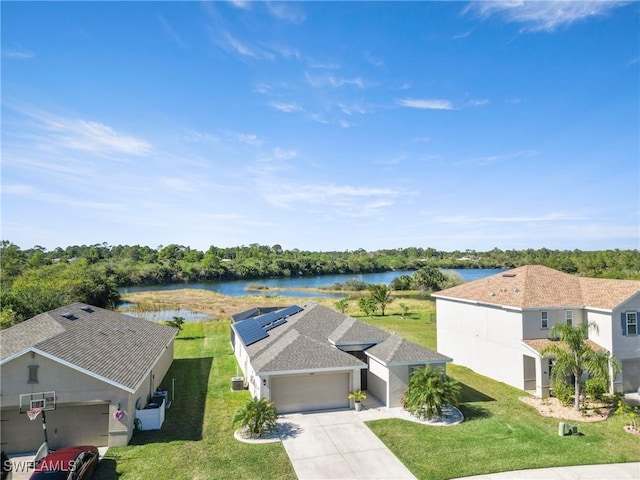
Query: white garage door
x=320, y=391
x=66, y=426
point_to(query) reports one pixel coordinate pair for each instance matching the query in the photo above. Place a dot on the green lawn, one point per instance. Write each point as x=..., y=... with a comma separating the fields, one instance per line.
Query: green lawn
x=196, y=440
x=500, y=432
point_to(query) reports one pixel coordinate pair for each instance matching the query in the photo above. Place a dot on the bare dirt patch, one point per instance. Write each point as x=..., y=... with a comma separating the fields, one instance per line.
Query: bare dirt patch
x=551, y=407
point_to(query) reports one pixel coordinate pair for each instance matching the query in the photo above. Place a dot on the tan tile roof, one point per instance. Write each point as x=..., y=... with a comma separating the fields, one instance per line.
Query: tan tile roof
x=536, y=286
x=538, y=344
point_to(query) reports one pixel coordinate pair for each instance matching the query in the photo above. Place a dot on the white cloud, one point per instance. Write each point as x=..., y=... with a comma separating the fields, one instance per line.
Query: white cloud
x=34, y=194
x=286, y=107
x=246, y=50
x=241, y=4
x=352, y=109
x=280, y=154
x=376, y=62
x=85, y=135
x=249, y=139
x=289, y=12
x=17, y=52
x=477, y=102
x=171, y=32
x=426, y=104
x=546, y=16
x=333, y=81
x=493, y=159
x=551, y=217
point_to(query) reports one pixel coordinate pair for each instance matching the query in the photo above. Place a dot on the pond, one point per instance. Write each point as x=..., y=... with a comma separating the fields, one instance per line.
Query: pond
x=235, y=288
x=266, y=286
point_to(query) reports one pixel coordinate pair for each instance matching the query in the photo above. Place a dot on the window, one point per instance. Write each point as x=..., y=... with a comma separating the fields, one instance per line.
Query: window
x=632, y=323
x=568, y=315
x=33, y=373
x=544, y=319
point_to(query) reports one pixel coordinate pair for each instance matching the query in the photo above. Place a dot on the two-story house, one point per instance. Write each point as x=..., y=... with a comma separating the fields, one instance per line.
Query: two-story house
x=498, y=325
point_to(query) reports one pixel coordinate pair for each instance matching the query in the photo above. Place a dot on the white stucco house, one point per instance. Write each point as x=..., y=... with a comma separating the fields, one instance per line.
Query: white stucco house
x=311, y=357
x=498, y=325
x=95, y=360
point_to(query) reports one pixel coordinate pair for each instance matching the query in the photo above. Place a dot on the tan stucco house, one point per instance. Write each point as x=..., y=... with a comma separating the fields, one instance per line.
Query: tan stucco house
x=498, y=325
x=311, y=357
x=95, y=360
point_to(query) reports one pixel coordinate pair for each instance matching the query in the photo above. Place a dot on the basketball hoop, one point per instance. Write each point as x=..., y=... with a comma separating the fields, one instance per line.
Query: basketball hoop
x=33, y=413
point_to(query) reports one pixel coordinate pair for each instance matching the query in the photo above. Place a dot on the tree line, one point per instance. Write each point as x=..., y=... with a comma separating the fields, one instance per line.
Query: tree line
x=35, y=280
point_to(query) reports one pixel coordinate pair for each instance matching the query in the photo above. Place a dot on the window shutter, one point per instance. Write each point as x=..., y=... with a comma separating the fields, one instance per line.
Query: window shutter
x=623, y=322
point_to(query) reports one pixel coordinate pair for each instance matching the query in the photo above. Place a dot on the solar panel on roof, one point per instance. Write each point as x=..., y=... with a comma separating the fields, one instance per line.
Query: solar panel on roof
x=267, y=318
x=250, y=331
x=292, y=310
x=276, y=323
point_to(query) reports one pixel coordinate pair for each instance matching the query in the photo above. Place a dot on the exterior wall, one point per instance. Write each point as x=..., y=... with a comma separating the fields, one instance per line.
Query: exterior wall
x=73, y=389
x=484, y=338
x=531, y=321
x=377, y=379
x=120, y=432
x=71, y=386
x=256, y=387
x=625, y=347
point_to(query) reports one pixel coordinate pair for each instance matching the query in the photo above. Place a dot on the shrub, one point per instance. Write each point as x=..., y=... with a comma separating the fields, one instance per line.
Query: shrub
x=563, y=392
x=258, y=415
x=429, y=391
x=596, y=388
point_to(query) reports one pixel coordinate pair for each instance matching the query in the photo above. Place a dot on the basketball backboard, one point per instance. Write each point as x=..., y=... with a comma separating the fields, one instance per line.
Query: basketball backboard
x=44, y=400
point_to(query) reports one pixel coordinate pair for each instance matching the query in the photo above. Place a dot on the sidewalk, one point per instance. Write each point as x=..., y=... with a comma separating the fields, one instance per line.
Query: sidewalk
x=613, y=471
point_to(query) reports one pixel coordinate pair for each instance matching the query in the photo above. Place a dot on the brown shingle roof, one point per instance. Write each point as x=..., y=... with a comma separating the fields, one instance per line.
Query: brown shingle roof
x=538, y=344
x=536, y=286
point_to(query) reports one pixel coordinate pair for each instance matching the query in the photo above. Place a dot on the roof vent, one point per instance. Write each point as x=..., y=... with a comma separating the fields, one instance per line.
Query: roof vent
x=492, y=294
x=69, y=316
x=516, y=290
x=87, y=309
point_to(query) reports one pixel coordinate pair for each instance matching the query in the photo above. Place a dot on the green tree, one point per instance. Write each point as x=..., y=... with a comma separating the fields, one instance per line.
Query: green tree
x=342, y=304
x=367, y=305
x=176, y=322
x=429, y=391
x=258, y=416
x=574, y=356
x=428, y=278
x=381, y=296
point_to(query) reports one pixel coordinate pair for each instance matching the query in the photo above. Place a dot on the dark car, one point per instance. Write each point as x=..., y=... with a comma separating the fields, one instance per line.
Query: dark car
x=6, y=467
x=69, y=463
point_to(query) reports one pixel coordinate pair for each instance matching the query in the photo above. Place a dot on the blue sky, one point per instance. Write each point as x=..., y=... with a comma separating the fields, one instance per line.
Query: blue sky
x=322, y=125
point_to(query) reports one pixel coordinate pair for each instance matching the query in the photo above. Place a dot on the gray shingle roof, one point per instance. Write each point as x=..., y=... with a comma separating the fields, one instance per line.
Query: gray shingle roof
x=306, y=342
x=297, y=352
x=354, y=331
x=396, y=350
x=112, y=345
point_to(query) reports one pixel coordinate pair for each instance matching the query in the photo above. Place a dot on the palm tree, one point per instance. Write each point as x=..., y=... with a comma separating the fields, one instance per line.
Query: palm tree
x=574, y=356
x=381, y=295
x=429, y=391
x=258, y=415
x=177, y=322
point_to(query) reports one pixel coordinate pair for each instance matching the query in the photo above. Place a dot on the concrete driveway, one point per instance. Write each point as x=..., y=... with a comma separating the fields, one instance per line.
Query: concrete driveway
x=338, y=445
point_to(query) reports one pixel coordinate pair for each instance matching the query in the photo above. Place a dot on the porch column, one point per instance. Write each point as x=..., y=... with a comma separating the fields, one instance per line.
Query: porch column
x=542, y=377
